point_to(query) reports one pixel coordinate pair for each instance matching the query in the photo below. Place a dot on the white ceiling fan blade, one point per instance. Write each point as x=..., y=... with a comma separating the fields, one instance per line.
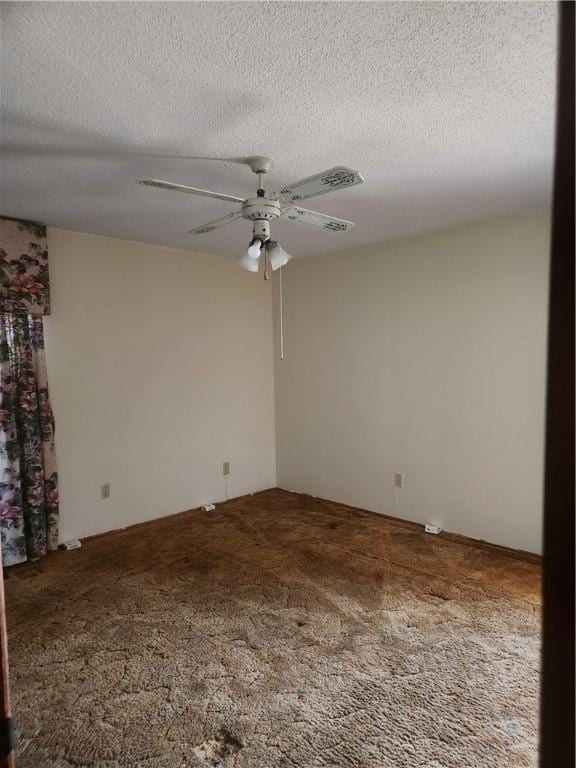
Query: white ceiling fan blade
x=253, y=161
x=192, y=190
x=216, y=224
x=319, y=184
x=257, y=163
x=315, y=219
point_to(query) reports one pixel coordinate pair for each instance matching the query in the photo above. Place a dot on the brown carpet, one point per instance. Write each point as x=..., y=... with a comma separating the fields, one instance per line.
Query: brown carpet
x=277, y=631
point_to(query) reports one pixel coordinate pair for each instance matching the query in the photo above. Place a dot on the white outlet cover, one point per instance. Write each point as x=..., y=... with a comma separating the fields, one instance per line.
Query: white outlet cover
x=430, y=528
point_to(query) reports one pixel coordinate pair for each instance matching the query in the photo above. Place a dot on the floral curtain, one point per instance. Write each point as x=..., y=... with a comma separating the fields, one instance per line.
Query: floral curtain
x=24, y=286
x=28, y=478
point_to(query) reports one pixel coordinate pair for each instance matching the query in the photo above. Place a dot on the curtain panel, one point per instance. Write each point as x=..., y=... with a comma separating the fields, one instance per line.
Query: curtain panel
x=28, y=477
x=29, y=482
x=24, y=284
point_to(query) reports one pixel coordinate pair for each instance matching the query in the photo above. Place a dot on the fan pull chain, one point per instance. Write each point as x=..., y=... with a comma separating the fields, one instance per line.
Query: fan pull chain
x=281, y=317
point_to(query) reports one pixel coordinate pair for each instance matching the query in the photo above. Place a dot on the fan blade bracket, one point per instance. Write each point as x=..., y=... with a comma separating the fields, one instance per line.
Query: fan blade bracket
x=331, y=180
x=159, y=184
x=315, y=219
x=216, y=224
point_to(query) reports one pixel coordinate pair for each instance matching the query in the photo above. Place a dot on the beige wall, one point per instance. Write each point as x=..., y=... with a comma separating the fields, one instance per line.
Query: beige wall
x=160, y=368
x=424, y=356
x=427, y=357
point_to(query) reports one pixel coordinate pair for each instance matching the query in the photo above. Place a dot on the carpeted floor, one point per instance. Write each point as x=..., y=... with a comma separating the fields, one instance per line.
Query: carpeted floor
x=276, y=631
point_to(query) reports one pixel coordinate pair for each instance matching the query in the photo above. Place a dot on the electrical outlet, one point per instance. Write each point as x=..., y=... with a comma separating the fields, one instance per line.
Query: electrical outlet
x=105, y=491
x=399, y=480
x=226, y=468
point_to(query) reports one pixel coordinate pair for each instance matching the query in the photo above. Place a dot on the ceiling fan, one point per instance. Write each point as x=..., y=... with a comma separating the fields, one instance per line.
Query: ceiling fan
x=263, y=208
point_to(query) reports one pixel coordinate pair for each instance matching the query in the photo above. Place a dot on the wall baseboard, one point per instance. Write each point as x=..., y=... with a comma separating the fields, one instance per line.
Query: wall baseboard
x=156, y=520
x=458, y=538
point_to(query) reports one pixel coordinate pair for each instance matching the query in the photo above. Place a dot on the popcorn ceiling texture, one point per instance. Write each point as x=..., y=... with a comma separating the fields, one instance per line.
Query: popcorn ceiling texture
x=276, y=632
x=447, y=108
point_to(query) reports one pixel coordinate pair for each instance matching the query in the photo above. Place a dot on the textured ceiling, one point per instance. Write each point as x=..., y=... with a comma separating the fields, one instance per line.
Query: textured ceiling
x=447, y=109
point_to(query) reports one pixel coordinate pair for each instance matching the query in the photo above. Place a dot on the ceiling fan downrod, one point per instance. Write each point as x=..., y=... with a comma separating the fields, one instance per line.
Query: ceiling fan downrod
x=261, y=210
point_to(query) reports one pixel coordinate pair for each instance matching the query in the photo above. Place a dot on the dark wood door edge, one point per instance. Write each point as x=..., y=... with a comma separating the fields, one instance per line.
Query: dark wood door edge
x=557, y=705
x=6, y=725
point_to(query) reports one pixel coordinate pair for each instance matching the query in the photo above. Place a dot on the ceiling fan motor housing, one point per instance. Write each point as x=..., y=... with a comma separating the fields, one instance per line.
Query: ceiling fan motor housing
x=261, y=211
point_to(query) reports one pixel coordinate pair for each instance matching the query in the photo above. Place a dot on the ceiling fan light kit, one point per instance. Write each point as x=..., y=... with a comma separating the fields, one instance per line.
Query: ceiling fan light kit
x=263, y=209
x=277, y=255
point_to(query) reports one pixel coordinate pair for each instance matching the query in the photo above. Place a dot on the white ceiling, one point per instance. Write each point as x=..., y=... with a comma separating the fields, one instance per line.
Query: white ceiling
x=447, y=109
